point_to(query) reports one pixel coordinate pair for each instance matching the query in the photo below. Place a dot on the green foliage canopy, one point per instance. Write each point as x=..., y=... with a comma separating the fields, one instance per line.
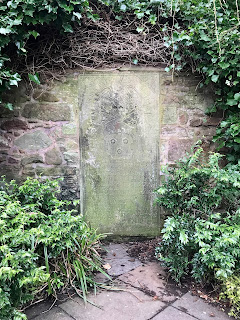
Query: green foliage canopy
x=18, y=22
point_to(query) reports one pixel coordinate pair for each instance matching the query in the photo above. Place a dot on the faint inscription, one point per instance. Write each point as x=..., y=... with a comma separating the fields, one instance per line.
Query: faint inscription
x=115, y=113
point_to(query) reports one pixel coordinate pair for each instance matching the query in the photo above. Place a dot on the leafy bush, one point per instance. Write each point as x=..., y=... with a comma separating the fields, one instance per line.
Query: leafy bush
x=209, y=249
x=202, y=234
x=227, y=135
x=44, y=247
x=231, y=291
x=199, y=187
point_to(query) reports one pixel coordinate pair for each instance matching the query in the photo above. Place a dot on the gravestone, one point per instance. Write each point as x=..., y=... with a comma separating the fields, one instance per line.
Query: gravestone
x=119, y=161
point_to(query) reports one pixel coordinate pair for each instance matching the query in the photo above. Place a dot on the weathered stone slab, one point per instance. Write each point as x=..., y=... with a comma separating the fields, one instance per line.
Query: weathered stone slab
x=199, y=309
x=183, y=117
x=10, y=171
x=178, y=148
x=33, y=141
x=151, y=277
x=6, y=113
x=53, y=156
x=119, y=260
x=126, y=304
x=171, y=313
x=13, y=160
x=170, y=115
x=15, y=124
x=197, y=122
x=120, y=160
x=212, y=121
x=69, y=129
x=47, y=112
x=54, y=314
x=35, y=158
x=51, y=171
x=44, y=95
x=39, y=309
x=3, y=157
x=71, y=157
x=4, y=143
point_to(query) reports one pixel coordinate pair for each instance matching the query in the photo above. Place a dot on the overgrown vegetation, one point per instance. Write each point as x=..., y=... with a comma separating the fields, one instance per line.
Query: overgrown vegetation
x=44, y=247
x=201, y=34
x=202, y=234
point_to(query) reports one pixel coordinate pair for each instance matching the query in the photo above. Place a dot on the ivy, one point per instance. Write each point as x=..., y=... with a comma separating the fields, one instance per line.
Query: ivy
x=19, y=20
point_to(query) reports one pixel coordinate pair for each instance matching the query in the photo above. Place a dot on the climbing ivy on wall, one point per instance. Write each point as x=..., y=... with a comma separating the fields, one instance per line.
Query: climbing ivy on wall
x=202, y=33
x=18, y=22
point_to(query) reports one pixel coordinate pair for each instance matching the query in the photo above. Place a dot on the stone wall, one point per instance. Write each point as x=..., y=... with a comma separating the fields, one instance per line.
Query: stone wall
x=183, y=120
x=41, y=136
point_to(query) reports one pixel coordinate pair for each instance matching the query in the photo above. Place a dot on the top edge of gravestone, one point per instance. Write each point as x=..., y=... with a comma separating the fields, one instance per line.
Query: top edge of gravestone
x=135, y=70
x=121, y=70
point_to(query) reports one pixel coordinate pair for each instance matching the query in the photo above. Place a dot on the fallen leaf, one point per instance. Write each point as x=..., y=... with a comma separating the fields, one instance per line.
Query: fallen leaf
x=107, y=266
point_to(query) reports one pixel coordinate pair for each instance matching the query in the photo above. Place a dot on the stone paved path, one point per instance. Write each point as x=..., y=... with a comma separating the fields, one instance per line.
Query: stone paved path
x=139, y=291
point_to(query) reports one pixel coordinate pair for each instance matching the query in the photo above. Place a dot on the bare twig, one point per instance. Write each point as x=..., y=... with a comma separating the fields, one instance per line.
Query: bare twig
x=103, y=43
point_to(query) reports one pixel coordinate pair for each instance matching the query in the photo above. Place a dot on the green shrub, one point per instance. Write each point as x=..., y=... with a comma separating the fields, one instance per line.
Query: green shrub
x=209, y=249
x=231, y=291
x=43, y=246
x=200, y=187
x=202, y=234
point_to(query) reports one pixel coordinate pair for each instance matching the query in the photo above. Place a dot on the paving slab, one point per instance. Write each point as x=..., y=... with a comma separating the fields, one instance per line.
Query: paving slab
x=119, y=260
x=123, y=305
x=171, y=313
x=139, y=291
x=198, y=308
x=54, y=314
x=38, y=308
x=151, y=278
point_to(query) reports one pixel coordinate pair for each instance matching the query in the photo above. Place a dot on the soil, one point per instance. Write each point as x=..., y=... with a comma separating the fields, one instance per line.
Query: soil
x=143, y=250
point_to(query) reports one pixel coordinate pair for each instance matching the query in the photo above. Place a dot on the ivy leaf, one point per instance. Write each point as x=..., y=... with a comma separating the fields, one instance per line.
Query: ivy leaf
x=9, y=106
x=34, y=33
x=204, y=37
x=237, y=96
x=119, y=18
x=13, y=82
x=139, y=29
x=237, y=139
x=78, y=15
x=34, y=78
x=183, y=237
x=153, y=19
x=5, y=31
x=224, y=65
x=215, y=78
x=17, y=22
x=140, y=15
x=123, y=7
x=231, y=102
x=67, y=28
